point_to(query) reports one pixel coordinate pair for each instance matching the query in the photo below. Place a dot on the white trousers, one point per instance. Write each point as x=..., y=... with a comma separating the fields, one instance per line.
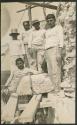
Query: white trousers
x=37, y=59
x=54, y=66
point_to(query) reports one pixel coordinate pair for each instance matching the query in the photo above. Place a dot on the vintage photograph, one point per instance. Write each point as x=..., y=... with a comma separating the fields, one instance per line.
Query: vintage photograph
x=38, y=62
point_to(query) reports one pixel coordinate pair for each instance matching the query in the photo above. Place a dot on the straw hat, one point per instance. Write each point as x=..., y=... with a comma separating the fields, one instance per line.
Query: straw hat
x=35, y=21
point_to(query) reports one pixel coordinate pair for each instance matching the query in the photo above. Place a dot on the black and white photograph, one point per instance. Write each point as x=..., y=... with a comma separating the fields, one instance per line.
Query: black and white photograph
x=38, y=62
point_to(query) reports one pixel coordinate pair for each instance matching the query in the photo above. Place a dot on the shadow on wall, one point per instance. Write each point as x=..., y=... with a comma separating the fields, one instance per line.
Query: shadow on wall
x=4, y=76
x=45, y=118
x=51, y=115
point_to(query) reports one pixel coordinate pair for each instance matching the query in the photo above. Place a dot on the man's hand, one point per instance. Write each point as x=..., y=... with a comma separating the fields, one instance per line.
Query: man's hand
x=5, y=90
x=34, y=72
x=32, y=50
x=59, y=56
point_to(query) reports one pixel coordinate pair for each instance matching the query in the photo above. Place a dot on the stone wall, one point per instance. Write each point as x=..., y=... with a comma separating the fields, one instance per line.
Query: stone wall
x=67, y=17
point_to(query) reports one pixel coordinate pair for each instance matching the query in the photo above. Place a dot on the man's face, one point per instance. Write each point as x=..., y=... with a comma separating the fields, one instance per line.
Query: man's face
x=14, y=36
x=37, y=26
x=26, y=26
x=20, y=65
x=51, y=22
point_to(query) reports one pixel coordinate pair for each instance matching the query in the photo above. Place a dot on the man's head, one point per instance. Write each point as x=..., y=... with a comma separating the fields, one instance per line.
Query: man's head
x=20, y=63
x=14, y=34
x=36, y=24
x=50, y=18
x=26, y=25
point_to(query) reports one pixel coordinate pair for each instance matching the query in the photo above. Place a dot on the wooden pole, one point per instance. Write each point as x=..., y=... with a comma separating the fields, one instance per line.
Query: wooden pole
x=30, y=16
x=30, y=110
x=44, y=11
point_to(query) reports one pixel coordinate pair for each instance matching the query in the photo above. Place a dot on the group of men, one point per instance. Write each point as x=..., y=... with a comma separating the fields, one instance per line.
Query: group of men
x=36, y=45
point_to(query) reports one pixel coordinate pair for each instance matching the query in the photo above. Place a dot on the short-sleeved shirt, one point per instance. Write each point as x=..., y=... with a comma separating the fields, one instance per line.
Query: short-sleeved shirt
x=26, y=36
x=37, y=38
x=54, y=37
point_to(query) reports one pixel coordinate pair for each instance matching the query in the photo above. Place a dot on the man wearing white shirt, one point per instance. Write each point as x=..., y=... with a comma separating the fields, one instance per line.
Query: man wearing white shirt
x=15, y=48
x=25, y=39
x=53, y=46
x=22, y=80
x=36, y=45
x=25, y=35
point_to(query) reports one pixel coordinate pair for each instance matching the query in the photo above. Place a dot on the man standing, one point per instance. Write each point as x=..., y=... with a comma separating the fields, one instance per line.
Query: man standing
x=36, y=45
x=25, y=39
x=53, y=46
x=15, y=47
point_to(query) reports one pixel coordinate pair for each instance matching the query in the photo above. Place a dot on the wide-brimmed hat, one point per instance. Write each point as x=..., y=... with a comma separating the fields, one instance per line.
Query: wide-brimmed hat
x=14, y=32
x=35, y=22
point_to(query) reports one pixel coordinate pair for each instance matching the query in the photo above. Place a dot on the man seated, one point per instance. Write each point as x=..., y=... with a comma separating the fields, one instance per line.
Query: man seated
x=23, y=80
x=15, y=77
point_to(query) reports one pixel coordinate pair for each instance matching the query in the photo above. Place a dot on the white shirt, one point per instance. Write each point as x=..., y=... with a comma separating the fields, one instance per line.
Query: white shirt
x=17, y=73
x=54, y=37
x=15, y=47
x=37, y=38
x=26, y=36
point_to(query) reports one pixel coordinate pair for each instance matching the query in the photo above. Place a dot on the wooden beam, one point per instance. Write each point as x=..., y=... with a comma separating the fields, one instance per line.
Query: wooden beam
x=42, y=5
x=43, y=104
x=30, y=16
x=10, y=108
x=44, y=11
x=22, y=106
x=29, y=112
x=47, y=103
x=25, y=9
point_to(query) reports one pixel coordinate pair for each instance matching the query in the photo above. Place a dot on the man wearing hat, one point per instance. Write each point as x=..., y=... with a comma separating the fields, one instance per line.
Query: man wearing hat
x=16, y=48
x=53, y=47
x=36, y=45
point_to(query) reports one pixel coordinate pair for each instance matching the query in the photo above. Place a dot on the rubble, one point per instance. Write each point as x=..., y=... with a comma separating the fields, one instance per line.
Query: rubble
x=67, y=15
x=65, y=84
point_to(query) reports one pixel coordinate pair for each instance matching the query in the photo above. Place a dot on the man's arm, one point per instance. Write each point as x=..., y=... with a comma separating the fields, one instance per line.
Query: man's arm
x=22, y=47
x=30, y=40
x=61, y=37
x=44, y=38
x=33, y=71
x=29, y=71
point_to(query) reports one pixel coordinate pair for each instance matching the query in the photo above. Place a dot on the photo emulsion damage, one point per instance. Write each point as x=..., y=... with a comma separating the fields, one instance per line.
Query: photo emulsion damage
x=38, y=45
